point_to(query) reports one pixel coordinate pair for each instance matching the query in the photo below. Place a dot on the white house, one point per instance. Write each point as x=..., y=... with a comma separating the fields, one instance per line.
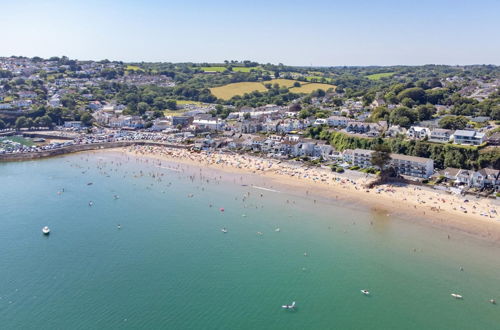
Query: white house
x=73, y=124
x=441, y=135
x=338, y=121
x=418, y=132
x=468, y=137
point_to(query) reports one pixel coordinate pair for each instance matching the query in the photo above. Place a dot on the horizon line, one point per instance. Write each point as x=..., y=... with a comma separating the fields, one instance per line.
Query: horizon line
x=240, y=61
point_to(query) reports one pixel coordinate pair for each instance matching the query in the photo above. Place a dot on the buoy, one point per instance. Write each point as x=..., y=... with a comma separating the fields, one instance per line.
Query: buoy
x=222, y=209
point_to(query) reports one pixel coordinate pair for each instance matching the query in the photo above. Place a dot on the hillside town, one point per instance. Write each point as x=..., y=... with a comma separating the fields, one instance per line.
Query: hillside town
x=441, y=141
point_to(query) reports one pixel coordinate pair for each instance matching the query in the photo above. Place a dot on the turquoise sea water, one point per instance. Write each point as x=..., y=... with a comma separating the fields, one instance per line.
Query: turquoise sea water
x=171, y=267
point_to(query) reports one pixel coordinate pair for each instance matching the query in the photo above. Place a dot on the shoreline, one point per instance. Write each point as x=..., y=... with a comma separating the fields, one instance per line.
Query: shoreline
x=415, y=204
x=73, y=149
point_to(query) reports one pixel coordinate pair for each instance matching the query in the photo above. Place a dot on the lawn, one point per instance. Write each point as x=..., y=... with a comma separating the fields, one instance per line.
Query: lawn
x=311, y=87
x=228, y=91
x=377, y=76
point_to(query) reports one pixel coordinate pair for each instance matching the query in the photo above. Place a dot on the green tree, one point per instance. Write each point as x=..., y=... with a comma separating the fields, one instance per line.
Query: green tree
x=159, y=103
x=403, y=116
x=381, y=157
x=43, y=121
x=416, y=94
x=453, y=122
x=2, y=124
x=29, y=123
x=142, y=107
x=21, y=122
x=425, y=112
x=171, y=104
x=379, y=113
x=86, y=119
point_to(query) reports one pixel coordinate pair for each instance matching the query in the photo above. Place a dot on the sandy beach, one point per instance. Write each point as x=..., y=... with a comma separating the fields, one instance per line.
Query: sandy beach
x=470, y=215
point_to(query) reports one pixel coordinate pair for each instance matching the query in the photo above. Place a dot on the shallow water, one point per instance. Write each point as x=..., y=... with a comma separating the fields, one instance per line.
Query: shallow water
x=170, y=266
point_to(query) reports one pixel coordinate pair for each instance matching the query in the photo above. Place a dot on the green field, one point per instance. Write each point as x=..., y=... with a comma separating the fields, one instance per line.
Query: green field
x=377, y=76
x=223, y=68
x=283, y=82
x=133, y=68
x=213, y=68
x=309, y=78
x=311, y=87
x=230, y=90
x=244, y=69
x=182, y=102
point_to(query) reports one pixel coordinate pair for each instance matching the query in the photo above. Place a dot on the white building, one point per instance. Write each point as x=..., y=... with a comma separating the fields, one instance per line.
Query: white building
x=441, y=135
x=73, y=124
x=468, y=137
x=404, y=165
x=339, y=121
x=418, y=132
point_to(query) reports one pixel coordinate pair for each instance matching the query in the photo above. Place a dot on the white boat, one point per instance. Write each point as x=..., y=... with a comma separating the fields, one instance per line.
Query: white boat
x=365, y=292
x=277, y=230
x=457, y=296
x=224, y=230
x=45, y=230
x=292, y=306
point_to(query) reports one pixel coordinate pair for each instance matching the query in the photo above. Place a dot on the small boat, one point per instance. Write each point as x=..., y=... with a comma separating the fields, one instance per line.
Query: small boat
x=457, y=296
x=45, y=230
x=292, y=306
x=224, y=230
x=277, y=230
x=493, y=301
x=365, y=292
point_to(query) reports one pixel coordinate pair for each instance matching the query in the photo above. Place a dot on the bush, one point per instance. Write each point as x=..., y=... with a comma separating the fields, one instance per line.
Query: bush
x=354, y=168
x=369, y=170
x=339, y=170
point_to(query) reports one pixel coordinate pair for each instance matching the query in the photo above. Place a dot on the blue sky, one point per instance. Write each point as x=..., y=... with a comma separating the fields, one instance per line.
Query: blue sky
x=307, y=32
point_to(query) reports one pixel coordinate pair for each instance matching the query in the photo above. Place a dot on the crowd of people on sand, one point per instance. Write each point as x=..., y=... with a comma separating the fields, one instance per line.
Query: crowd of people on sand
x=419, y=198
